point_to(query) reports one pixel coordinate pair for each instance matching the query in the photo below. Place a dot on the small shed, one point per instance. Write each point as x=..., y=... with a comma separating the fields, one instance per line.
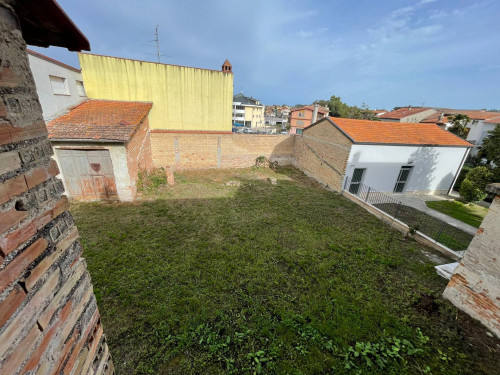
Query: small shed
x=100, y=146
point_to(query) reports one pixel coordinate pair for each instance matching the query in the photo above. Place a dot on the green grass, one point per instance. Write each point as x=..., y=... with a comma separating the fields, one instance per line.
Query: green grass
x=444, y=233
x=204, y=278
x=469, y=214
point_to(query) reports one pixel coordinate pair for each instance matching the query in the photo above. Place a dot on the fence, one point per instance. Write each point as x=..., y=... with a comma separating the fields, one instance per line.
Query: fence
x=438, y=230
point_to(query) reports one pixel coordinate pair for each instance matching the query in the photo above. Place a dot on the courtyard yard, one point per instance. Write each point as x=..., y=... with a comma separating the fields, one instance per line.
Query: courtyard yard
x=226, y=273
x=472, y=214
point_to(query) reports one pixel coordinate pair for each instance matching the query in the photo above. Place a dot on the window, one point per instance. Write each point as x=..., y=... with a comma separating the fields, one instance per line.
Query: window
x=300, y=122
x=357, y=177
x=80, y=89
x=301, y=114
x=403, y=176
x=59, y=85
x=299, y=131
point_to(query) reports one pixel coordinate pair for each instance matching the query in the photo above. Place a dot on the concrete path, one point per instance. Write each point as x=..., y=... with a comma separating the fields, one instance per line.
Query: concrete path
x=418, y=202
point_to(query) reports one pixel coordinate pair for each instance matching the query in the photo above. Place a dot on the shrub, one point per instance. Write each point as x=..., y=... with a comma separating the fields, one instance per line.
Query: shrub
x=148, y=181
x=472, y=189
x=461, y=177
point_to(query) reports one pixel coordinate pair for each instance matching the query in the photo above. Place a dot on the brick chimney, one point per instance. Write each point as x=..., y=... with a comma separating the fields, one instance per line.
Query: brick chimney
x=227, y=67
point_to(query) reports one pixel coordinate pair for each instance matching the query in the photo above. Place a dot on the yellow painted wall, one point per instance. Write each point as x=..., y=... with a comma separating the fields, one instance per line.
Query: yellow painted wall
x=255, y=114
x=183, y=98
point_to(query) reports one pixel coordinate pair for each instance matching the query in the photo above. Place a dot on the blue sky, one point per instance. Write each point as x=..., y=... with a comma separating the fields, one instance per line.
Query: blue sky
x=383, y=53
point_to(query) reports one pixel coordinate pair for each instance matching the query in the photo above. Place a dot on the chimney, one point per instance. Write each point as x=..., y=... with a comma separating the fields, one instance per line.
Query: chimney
x=315, y=112
x=227, y=67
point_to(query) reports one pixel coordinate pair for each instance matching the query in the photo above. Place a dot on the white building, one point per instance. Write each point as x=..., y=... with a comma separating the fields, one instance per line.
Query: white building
x=248, y=111
x=58, y=85
x=389, y=157
x=479, y=130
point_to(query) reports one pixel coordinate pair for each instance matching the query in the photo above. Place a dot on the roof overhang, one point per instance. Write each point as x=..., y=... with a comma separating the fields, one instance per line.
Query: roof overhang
x=44, y=23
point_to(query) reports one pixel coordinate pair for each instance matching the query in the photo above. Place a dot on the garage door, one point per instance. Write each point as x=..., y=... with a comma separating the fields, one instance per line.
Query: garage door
x=87, y=174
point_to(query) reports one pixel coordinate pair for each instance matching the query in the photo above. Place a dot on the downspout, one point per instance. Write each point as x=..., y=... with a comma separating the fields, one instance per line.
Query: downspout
x=459, y=169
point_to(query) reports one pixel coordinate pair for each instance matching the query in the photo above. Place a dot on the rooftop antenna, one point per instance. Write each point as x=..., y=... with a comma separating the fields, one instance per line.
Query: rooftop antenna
x=156, y=42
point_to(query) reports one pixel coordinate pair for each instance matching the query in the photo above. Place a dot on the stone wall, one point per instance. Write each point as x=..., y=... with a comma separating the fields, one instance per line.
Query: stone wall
x=322, y=153
x=203, y=150
x=49, y=321
x=475, y=284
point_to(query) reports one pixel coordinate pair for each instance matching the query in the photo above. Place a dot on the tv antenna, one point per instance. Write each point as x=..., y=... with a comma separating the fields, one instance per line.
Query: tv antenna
x=156, y=42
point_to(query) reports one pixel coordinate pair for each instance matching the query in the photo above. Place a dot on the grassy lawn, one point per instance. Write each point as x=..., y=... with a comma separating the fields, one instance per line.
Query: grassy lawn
x=438, y=230
x=469, y=214
x=205, y=278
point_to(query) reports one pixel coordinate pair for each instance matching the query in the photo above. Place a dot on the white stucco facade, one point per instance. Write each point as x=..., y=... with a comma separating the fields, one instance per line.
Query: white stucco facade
x=433, y=169
x=478, y=131
x=49, y=73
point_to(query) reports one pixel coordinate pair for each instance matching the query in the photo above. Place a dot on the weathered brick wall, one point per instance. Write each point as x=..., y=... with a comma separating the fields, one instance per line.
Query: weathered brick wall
x=197, y=150
x=139, y=152
x=475, y=284
x=49, y=321
x=322, y=153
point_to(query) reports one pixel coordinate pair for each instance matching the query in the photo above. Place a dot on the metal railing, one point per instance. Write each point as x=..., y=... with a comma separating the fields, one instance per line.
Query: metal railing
x=440, y=231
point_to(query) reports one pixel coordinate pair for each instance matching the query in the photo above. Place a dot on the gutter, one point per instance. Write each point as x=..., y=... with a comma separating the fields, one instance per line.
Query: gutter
x=459, y=169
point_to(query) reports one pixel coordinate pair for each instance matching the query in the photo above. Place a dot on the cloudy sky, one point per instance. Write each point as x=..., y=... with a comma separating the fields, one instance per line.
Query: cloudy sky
x=383, y=53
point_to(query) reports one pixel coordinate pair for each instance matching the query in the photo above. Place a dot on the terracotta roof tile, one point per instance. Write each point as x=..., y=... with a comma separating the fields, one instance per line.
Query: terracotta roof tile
x=494, y=120
x=100, y=120
x=403, y=112
x=321, y=109
x=381, y=132
x=473, y=114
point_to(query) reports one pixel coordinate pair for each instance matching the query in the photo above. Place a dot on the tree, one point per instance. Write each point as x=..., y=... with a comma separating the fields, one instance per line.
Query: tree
x=473, y=188
x=340, y=109
x=491, y=146
x=459, y=124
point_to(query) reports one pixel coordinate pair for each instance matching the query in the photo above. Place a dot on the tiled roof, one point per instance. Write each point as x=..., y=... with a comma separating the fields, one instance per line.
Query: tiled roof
x=403, y=112
x=321, y=109
x=402, y=133
x=100, y=120
x=494, y=120
x=473, y=114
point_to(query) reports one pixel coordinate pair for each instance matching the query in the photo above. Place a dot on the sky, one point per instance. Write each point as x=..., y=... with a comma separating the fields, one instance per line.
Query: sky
x=441, y=53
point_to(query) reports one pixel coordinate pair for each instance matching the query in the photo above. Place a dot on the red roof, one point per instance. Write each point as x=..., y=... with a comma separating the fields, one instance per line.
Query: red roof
x=100, y=120
x=321, y=109
x=400, y=133
x=494, y=120
x=403, y=112
x=473, y=114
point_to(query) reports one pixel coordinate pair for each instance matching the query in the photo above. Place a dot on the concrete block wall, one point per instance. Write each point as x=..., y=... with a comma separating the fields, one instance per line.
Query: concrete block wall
x=204, y=150
x=322, y=153
x=475, y=284
x=139, y=155
x=49, y=321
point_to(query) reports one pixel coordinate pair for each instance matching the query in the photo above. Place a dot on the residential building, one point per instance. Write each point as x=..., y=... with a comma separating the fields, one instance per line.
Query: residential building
x=481, y=122
x=58, y=85
x=305, y=116
x=100, y=146
x=248, y=111
x=391, y=157
x=185, y=98
x=407, y=114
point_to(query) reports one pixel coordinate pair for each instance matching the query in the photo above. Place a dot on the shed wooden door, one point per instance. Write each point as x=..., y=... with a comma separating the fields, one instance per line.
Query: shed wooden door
x=88, y=174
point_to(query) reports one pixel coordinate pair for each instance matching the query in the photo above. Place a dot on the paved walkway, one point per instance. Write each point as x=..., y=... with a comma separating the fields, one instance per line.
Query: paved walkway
x=418, y=202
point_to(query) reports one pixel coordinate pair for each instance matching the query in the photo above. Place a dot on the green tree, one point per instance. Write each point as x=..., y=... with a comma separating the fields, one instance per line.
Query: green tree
x=340, y=109
x=491, y=146
x=459, y=124
x=473, y=187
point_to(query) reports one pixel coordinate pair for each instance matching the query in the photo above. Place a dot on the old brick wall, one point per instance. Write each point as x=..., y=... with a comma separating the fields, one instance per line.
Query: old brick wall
x=475, y=284
x=322, y=153
x=49, y=321
x=198, y=150
x=139, y=155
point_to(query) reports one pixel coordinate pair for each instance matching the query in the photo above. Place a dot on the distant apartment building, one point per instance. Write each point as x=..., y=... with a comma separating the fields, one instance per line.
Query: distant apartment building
x=59, y=86
x=305, y=116
x=407, y=114
x=248, y=111
x=184, y=98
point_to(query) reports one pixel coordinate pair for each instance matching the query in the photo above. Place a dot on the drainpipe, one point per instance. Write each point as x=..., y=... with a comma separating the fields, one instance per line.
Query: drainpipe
x=459, y=169
x=315, y=112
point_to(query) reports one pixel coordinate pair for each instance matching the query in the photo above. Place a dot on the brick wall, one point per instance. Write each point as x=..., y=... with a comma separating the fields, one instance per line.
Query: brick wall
x=474, y=286
x=49, y=321
x=322, y=153
x=139, y=152
x=197, y=150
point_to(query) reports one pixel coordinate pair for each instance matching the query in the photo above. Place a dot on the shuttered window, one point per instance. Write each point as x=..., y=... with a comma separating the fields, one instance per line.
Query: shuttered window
x=59, y=85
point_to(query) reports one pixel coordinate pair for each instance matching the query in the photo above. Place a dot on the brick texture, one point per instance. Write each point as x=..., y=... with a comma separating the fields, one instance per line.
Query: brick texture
x=185, y=150
x=322, y=153
x=48, y=311
x=474, y=286
x=139, y=156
